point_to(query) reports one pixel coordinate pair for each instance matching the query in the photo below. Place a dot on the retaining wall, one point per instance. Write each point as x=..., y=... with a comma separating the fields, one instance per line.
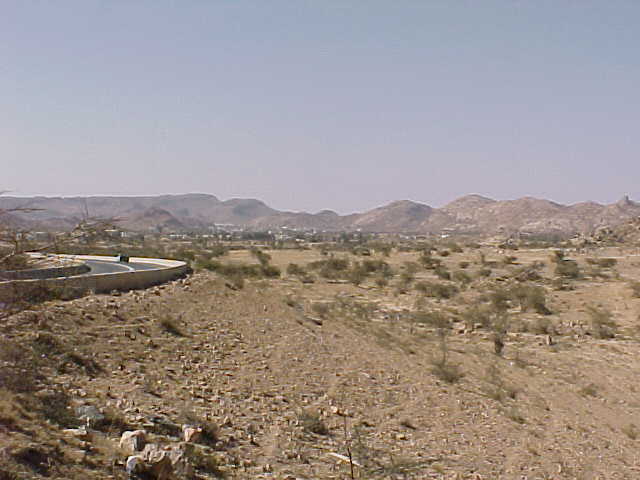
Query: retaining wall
x=105, y=282
x=42, y=273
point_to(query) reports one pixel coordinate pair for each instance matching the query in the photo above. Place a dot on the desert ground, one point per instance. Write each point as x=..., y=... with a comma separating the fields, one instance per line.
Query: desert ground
x=464, y=362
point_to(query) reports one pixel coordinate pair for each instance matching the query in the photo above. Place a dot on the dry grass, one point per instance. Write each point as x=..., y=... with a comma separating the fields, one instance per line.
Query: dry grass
x=415, y=373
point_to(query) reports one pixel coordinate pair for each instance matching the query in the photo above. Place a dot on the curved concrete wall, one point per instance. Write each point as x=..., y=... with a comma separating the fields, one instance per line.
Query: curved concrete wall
x=42, y=273
x=72, y=286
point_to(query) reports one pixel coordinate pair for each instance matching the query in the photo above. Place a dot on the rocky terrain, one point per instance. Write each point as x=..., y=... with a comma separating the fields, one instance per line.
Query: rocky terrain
x=471, y=214
x=286, y=379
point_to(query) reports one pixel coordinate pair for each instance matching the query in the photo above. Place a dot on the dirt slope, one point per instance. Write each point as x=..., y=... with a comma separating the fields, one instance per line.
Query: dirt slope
x=288, y=391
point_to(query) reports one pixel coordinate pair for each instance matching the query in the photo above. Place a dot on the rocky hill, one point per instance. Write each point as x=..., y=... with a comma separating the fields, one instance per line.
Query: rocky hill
x=470, y=214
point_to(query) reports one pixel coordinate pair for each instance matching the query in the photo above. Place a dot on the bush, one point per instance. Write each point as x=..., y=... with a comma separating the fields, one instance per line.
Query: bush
x=263, y=258
x=437, y=290
x=509, y=260
x=454, y=247
x=373, y=266
x=447, y=372
x=476, y=314
x=635, y=289
x=382, y=282
x=542, y=326
x=464, y=265
x=218, y=250
x=56, y=407
x=320, y=308
x=500, y=300
x=357, y=274
x=602, y=324
x=442, y=273
x=429, y=262
x=270, y=271
x=530, y=298
x=461, y=277
x=312, y=423
x=295, y=269
x=436, y=320
x=441, y=367
x=602, y=262
x=567, y=269
x=170, y=326
x=331, y=268
x=237, y=272
x=484, y=272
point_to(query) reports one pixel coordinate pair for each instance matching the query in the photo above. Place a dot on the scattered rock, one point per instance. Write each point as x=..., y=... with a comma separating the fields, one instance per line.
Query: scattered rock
x=133, y=441
x=82, y=433
x=191, y=433
x=157, y=462
x=89, y=415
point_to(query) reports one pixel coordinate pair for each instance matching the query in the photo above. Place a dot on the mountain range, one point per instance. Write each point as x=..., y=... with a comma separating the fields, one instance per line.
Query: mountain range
x=471, y=214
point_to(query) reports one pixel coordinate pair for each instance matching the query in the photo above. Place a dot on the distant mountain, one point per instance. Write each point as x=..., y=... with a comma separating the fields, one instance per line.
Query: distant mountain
x=398, y=216
x=153, y=218
x=473, y=214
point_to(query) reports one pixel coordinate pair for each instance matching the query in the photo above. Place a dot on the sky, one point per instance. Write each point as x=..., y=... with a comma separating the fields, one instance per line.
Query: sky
x=321, y=104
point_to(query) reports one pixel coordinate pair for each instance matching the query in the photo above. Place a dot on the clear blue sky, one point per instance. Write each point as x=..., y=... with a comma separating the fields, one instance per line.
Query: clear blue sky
x=322, y=104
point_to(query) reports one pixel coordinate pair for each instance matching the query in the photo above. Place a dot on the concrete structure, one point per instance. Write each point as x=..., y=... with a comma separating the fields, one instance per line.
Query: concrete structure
x=166, y=270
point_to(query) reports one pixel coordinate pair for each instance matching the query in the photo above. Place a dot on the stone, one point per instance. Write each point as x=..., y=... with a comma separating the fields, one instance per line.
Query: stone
x=179, y=456
x=133, y=441
x=158, y=462
x=89, y=415
x=82, y=433
x=191, y=433
x=135, y=465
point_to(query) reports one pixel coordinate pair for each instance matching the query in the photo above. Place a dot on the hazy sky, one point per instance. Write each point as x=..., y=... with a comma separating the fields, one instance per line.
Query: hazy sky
x=321, y=104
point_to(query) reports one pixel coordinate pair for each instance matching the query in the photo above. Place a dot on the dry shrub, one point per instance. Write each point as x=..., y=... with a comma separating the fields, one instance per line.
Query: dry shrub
x=311, y=422
x=567, y=269
x=631, y=431
x=602, y=262
x=437, y=290
x=602, y=324
x=320, y=308
x=170, y=326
